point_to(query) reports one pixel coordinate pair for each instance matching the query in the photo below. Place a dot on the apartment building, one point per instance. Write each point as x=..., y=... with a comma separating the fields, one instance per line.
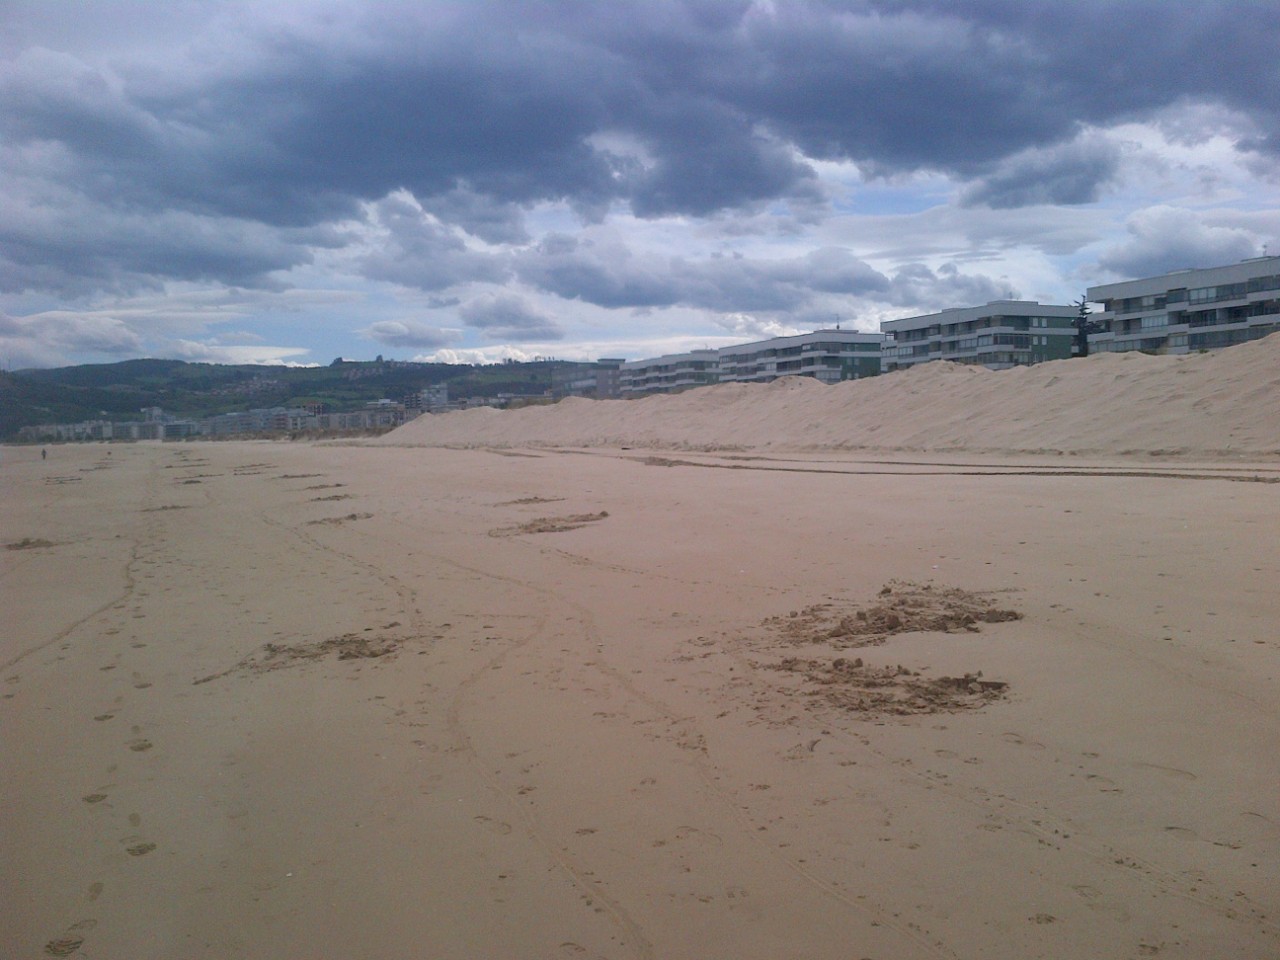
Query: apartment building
x=826, y=355
x=668, y=374
x=601, y=380
x=999, y=335
x=1190, y=309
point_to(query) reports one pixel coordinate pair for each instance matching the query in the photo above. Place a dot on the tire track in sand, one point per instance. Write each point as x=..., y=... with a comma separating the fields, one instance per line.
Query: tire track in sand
x=1042, y=822
x=689, y=734
x=576, y=874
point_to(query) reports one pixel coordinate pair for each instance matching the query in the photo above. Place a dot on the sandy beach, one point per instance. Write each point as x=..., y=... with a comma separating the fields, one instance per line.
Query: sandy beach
x=290, y=700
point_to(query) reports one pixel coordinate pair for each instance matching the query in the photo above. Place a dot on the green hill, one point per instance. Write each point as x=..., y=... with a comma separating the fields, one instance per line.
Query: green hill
x=119, y=391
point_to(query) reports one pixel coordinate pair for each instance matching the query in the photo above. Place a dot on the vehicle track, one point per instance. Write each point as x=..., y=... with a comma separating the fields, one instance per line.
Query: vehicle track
x=1035, y=819
x=701, y=762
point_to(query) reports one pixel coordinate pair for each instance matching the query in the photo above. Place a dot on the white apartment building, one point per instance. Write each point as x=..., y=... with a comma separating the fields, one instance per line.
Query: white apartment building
x=668, y=374
x=1190, y=309
x=999, y=335
x=826, y=355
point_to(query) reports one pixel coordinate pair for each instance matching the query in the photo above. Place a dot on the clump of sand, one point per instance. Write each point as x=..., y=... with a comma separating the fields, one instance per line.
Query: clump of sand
x=1211, y=404
x=855, y=687
x=799, y=645
x=900, y=607
x=277, y=656
x=30, y=543
x=550, y=524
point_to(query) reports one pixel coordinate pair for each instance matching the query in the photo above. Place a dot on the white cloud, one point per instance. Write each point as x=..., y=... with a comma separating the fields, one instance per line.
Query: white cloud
x=34, y=338
x=477, y=355
x=410, y=333
x=748, y=327
x=1164, y=238
x=198, y=352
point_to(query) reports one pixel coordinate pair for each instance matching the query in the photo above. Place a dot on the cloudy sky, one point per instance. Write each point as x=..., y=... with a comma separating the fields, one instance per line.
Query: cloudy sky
x=296, y=180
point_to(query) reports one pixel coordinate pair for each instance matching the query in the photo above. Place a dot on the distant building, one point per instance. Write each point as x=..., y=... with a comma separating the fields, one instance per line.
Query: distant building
x=432, y=398
x=378, y=414
x=600, y=380
x=999, y=335
x=1189, y=309
x=826, y=355
x=608, y=374
x=671, y=373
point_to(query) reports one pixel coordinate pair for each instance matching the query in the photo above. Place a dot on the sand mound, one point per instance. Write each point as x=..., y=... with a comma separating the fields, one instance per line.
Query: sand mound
x=1219, y=403
x=797, y=645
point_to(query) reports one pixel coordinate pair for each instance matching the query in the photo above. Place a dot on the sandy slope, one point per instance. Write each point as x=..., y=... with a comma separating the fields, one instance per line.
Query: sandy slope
x=272, y=700
x=1219, y=403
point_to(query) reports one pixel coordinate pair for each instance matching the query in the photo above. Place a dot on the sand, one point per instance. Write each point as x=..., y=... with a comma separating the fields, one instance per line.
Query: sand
x=278, y=700
x=1220, y=404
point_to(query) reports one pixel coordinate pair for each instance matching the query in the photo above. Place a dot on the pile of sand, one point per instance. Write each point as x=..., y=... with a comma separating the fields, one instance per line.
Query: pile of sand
x=1218, y=403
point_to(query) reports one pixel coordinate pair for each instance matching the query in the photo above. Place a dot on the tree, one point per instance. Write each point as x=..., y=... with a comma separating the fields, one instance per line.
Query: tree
x=1084, y=326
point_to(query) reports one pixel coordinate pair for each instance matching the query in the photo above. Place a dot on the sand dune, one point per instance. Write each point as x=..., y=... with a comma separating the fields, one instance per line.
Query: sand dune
x=1212, y=404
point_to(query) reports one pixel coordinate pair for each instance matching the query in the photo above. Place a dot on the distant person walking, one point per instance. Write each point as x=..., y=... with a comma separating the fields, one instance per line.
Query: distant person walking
x=44, y=454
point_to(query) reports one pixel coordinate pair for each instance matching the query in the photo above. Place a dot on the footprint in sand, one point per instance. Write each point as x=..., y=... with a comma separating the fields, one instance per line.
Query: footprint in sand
x=1020, y=741
x=135, y=820
x=104, y=716
x=139, y=745
x=1093, y=899
x=67, y=945
x=646, y=788
x=95, y=891
x=1105, y=784
x=692, y=835
x=63, y=946
x=1182, y=833
x=501, y=828
x=139, y=849
x=94, y=797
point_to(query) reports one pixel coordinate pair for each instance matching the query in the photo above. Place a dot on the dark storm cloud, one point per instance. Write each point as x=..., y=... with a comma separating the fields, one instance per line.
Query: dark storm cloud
x=479, y=215
x=1067, y=174
x=74, y=247
x=918, y=286
x=958, y=86
x=511, y=318
x=300, y=115
x=612, y=275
